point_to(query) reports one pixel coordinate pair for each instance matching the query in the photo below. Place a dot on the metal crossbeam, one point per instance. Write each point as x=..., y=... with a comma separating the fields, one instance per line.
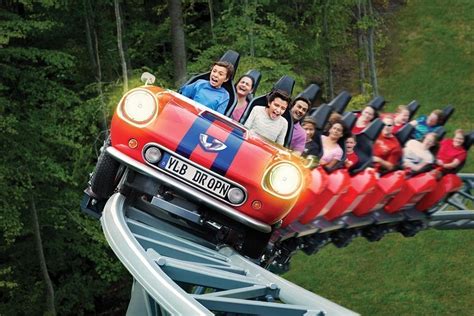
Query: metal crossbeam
x=177, y=273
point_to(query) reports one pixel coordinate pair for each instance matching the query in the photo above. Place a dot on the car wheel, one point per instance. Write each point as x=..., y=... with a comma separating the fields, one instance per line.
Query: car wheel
x=255, y=243
x=104, y=179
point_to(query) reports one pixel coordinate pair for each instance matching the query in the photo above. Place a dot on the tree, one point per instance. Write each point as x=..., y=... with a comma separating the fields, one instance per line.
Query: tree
x=118, y=18
x=177, y=39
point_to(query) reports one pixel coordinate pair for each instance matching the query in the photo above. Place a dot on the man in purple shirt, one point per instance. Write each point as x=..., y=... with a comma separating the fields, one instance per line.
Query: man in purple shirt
x=299, y=108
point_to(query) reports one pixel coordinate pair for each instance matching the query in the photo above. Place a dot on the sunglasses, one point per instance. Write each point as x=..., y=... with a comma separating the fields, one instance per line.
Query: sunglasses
x=388, y=125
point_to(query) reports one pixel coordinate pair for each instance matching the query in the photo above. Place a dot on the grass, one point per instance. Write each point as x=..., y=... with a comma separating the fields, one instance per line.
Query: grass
x=430, y=59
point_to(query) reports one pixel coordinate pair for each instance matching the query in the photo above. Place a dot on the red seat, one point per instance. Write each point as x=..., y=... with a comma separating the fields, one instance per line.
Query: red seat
x=361, y=184
x=448, y=184
x=309, y=197
x=387, y=186
x=412, y=191
x=338, y=183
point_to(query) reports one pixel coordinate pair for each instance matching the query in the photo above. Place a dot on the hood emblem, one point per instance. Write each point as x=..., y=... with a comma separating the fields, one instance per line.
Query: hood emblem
x=209, y=143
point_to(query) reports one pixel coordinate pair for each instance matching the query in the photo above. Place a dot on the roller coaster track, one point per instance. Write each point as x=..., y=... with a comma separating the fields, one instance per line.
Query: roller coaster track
x=178, y=273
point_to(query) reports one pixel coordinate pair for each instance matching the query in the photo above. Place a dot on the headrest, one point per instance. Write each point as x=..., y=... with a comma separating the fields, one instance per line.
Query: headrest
x=310, y=93
x=340, y=102
x=374, y=129
x=447, y=112
x=440, y=132
x=413, y=106
x=233, y=58
x=321, y=116
x=256, y=75
x=377, y=103
x=404, y=134
x=468, y=140
x=286, y=83
x=349, y=120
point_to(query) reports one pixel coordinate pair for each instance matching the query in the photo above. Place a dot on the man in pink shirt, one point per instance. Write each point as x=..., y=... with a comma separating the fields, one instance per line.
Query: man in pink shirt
x=299, y=108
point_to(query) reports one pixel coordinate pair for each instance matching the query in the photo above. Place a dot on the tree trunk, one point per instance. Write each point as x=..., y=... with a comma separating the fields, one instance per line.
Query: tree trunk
x=118, y=19
x=88, y=36
x=361, y=44
x=370, y=40
x=250, y=13
x=42, y=260
x=327, y=52
x=211, y=16
x=178, y=43
x=93, y=47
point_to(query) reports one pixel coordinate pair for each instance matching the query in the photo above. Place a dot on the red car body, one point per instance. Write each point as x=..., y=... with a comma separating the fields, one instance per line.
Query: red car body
x=176, y=129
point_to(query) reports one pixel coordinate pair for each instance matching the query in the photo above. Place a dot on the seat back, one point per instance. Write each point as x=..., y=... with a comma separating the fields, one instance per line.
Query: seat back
x=310, y=93
x=377, y=103
x=413, y=107
x=286, y=83
x=257, y=76
x=349, y=119
x=365, y=143
x=233, y=58
x=404, y=134
x=440, y=132
x=340, y=102
x=447, y=113
x=320, y=115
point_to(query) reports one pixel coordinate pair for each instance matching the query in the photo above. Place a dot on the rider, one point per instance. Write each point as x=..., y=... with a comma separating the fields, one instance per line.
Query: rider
x=299, y=108
x=210, y=92
x=268, y=121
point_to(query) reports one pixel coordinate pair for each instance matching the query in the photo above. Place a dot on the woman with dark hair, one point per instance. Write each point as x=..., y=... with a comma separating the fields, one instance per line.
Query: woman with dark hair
x=331, y=150
x=451, y=151
x=417, y=154
x=243, y=88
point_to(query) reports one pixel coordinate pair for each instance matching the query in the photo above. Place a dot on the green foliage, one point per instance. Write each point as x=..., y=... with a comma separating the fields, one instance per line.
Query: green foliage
x=431, y=273
x=52, y=120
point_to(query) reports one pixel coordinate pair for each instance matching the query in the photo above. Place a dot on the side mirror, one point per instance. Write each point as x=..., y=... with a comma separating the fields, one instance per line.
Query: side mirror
x=147, y=78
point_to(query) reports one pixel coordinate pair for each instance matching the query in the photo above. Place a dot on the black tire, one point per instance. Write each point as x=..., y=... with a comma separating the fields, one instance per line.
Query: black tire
x=255, y=243
x=104, y=179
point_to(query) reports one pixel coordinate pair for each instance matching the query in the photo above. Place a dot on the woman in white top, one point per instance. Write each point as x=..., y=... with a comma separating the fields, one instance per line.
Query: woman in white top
x=417, y=154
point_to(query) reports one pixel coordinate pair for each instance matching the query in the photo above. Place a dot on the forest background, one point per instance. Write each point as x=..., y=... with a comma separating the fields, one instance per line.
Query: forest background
x=65, y=64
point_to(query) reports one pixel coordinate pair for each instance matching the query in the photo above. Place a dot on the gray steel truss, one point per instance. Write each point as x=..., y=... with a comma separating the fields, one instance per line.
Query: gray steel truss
x=461, y=214
x=177, y=273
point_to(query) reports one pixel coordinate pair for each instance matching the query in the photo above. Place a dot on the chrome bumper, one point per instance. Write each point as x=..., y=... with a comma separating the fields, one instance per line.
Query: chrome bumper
x=201, y=197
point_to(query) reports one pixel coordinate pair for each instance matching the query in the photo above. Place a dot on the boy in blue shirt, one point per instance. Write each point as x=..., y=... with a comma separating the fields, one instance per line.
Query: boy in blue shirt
x=210, y=92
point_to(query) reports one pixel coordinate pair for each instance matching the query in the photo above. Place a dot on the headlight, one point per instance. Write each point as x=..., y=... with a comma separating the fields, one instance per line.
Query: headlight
x=139, y=106
x=284, y=179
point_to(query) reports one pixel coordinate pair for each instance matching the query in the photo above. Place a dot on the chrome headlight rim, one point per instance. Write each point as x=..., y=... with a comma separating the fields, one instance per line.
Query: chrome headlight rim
x=128, y=102
x=270, y=187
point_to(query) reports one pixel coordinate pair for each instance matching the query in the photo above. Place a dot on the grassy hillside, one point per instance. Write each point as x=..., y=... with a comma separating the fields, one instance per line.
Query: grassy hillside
x=430, y=59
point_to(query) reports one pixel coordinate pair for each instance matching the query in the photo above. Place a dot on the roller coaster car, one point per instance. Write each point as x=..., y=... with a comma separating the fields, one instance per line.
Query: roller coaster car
x=178, y=157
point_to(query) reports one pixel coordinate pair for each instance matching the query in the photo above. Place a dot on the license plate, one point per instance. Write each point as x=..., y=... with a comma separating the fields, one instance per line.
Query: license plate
x=194, y=176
